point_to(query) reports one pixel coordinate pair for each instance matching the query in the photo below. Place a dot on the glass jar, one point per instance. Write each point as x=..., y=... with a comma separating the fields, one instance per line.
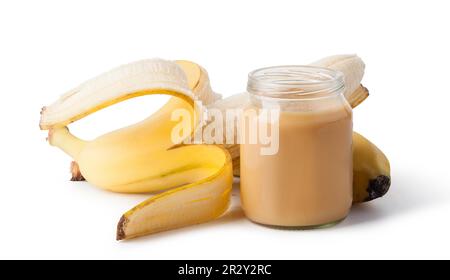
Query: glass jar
x=296, y=169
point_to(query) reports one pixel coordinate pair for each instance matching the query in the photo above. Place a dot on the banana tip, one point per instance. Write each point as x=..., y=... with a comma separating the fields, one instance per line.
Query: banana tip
x=378, y=187
x=121, y=228
x=76, y=173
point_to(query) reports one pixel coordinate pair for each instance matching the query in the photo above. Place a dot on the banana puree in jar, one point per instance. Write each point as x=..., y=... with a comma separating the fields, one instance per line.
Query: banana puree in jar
x=300, y=174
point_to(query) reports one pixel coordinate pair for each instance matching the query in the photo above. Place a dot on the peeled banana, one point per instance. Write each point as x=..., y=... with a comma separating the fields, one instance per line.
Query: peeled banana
x=142, y=157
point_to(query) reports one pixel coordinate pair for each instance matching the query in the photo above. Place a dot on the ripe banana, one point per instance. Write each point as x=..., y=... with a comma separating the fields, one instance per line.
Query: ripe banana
x=142, y=157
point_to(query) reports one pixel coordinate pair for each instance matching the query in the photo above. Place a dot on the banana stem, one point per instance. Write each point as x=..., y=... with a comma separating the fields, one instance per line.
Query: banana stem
x=66, y=141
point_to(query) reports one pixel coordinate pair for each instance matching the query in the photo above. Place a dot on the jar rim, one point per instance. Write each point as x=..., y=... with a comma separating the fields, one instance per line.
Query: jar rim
x=295, y=82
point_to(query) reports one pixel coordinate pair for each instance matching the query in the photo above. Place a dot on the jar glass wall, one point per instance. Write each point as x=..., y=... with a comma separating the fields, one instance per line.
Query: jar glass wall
x=303, y=180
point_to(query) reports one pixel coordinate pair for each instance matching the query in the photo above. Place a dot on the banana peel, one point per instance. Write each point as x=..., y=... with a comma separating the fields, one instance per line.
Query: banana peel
x=191, y=204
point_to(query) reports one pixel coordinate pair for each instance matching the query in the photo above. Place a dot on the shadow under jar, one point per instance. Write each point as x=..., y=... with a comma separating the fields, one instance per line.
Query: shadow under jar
x=307, y=182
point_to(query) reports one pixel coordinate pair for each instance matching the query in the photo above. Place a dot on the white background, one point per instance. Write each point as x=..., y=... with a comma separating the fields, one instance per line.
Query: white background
x=48, y=47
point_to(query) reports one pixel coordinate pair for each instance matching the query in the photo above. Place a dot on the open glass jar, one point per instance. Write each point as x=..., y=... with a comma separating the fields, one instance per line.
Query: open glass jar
x=300, y=174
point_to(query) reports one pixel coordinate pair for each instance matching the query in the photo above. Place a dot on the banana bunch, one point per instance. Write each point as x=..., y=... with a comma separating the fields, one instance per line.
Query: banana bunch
x=143, y=158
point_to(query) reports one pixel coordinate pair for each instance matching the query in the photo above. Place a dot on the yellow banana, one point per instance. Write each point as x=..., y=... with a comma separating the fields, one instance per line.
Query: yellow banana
x=142, y=157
